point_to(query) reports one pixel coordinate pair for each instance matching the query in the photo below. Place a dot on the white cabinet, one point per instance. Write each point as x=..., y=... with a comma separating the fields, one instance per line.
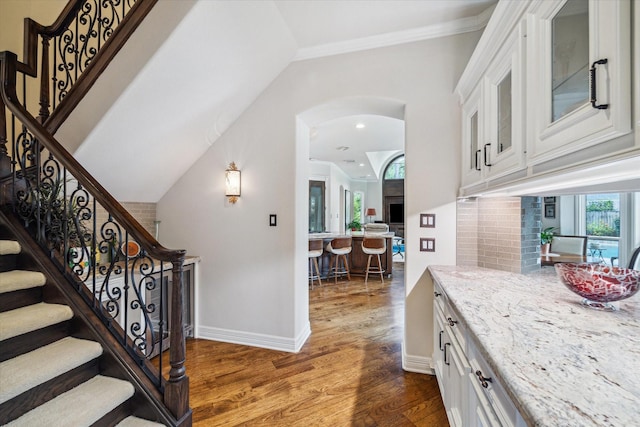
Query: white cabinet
x=580, y=83
x=471, y=394
x=452, y=369
x=503, y=148
x=493, y=131
x=548, y=88
x=472, y=129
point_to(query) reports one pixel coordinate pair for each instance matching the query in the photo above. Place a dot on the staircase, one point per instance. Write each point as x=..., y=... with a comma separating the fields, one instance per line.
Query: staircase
x=50, y=373
x=78, y=332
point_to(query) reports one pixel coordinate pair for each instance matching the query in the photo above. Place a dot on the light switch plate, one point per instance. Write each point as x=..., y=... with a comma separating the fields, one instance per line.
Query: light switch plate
x=427, y=244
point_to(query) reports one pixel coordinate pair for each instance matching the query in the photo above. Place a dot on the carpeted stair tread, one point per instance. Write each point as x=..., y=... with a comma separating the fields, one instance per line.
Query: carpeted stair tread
x=9, y=247
x=80, y=406
x=16, y=280
x=43, y=364
x=137, y=422
x=32, y=317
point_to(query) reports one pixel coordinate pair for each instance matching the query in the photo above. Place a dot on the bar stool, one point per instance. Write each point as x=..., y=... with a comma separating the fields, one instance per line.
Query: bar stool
x=315, y=252
x=374, y=246
x=339, y=247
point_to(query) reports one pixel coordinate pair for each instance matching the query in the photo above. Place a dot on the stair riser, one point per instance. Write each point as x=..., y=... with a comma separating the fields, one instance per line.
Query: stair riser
x=28, y=342
x=21, y=298
x=8, y=262
x=118, y=414
x=28, y=400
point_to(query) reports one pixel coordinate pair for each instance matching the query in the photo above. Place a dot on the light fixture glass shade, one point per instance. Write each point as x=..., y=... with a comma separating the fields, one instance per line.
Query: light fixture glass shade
x=232, y=183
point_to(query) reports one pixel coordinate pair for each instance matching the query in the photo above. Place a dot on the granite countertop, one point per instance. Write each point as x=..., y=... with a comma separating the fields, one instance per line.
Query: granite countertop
x=563, y=364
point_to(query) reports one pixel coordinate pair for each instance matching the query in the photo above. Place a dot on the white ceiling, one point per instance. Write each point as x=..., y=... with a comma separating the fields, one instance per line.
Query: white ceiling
x=219, y=59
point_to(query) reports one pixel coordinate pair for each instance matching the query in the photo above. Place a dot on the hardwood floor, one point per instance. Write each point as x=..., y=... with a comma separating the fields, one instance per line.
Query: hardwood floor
x=348, y=373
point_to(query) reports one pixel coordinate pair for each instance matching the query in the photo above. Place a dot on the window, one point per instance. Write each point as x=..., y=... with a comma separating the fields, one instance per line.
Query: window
x=358, y=198
x=395, y=169
x=602, y=225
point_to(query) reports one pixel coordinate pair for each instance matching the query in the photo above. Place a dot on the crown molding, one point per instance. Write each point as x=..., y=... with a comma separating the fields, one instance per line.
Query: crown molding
x=459, y=26
x=505, y=18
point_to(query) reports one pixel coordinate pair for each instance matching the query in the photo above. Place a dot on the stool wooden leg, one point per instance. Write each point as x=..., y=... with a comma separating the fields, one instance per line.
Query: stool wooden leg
x=346, y=267
x=366, y=274
x=315, y=261
x=380, y=268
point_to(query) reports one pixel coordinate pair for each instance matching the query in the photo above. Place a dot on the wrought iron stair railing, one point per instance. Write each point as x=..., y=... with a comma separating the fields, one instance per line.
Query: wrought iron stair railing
x=106, y=255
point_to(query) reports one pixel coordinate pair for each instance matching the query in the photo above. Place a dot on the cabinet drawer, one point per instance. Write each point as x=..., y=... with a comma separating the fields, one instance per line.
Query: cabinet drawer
x=485, y=380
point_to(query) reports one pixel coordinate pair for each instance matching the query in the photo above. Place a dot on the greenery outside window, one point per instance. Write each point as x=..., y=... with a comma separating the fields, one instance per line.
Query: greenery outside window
x=395, y=170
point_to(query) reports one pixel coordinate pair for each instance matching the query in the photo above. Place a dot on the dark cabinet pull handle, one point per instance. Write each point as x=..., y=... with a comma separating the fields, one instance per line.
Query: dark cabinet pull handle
x=483, y=380
x=486, y=160
x=451, y=321
x=592, y=75
x=436, y=294
x=440, y=340
x=446, y=362
x=477, y=162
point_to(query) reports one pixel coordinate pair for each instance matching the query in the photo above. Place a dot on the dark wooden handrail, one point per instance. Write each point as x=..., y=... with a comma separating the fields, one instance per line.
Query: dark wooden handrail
x=34, y=30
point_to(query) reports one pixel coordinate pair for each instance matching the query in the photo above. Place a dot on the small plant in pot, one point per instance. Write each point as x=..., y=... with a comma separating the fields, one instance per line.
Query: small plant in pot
x=354, y=225
x=546, y=236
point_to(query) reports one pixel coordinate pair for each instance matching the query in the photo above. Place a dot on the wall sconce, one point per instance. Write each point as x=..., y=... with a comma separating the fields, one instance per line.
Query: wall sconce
x=370, y=212
x=232, y=182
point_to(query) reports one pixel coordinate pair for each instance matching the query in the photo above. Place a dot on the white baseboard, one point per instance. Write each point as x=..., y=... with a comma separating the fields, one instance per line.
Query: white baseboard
x=272, y=342
x=419, y=364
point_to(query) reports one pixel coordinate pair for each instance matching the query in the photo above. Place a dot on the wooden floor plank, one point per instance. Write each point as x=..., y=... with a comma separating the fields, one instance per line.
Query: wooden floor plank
x=349, y=373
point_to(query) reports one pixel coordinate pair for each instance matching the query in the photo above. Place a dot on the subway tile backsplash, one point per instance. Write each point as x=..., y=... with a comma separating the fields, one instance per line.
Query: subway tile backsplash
x=499, y=233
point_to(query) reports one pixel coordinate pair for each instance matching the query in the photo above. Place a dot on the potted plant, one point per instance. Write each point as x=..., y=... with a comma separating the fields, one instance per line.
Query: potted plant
x=354, y=225
x=546, y=236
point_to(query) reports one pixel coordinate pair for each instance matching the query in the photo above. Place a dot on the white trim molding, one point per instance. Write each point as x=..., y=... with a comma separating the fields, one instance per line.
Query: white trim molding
x=271, y=342
x=458, y=26
x=418, y=364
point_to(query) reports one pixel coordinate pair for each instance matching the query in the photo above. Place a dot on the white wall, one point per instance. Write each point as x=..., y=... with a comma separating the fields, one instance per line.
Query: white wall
x=253, y=277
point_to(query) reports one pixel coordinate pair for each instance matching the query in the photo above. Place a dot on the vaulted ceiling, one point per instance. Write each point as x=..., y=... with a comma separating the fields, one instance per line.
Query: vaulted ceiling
x=193, y=67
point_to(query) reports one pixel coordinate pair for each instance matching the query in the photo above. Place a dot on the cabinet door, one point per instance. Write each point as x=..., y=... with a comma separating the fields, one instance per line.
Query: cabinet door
x=472, y=128
x=503, y=146
x=457, y=369
x=581, y=81
x=438, y=345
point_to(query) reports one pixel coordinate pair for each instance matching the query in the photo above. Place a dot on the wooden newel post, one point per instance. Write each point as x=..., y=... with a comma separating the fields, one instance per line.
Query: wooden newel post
x=176, y=394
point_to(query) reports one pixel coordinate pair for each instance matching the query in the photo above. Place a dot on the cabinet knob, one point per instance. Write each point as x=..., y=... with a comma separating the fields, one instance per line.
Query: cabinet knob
x=437, y=294
x=451, y=321
x=484, y=381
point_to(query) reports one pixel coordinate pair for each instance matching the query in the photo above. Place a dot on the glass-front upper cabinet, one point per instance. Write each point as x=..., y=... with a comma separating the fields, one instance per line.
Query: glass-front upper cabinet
x=471, y=130
x=504, y=136
x=580, y=86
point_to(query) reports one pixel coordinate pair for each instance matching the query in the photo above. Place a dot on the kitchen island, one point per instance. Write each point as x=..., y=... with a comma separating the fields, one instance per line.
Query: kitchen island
x=357, y=258
x=560, y=363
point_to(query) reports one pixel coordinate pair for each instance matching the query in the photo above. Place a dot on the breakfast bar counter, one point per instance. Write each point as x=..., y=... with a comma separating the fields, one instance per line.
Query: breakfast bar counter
x=357, y=258
x=561, y=363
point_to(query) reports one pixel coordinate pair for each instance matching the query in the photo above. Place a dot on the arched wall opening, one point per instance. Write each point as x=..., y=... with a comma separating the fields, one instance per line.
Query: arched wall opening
x=305, y=123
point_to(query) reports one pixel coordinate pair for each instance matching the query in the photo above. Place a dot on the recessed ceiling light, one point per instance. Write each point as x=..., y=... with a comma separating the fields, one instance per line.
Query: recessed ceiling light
x=360, y=126
x=349, y=161
x=342, y=148
x=361, y=164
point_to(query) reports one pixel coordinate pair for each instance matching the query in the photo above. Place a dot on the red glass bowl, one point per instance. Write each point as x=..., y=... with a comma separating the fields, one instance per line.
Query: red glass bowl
x=599, y=284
